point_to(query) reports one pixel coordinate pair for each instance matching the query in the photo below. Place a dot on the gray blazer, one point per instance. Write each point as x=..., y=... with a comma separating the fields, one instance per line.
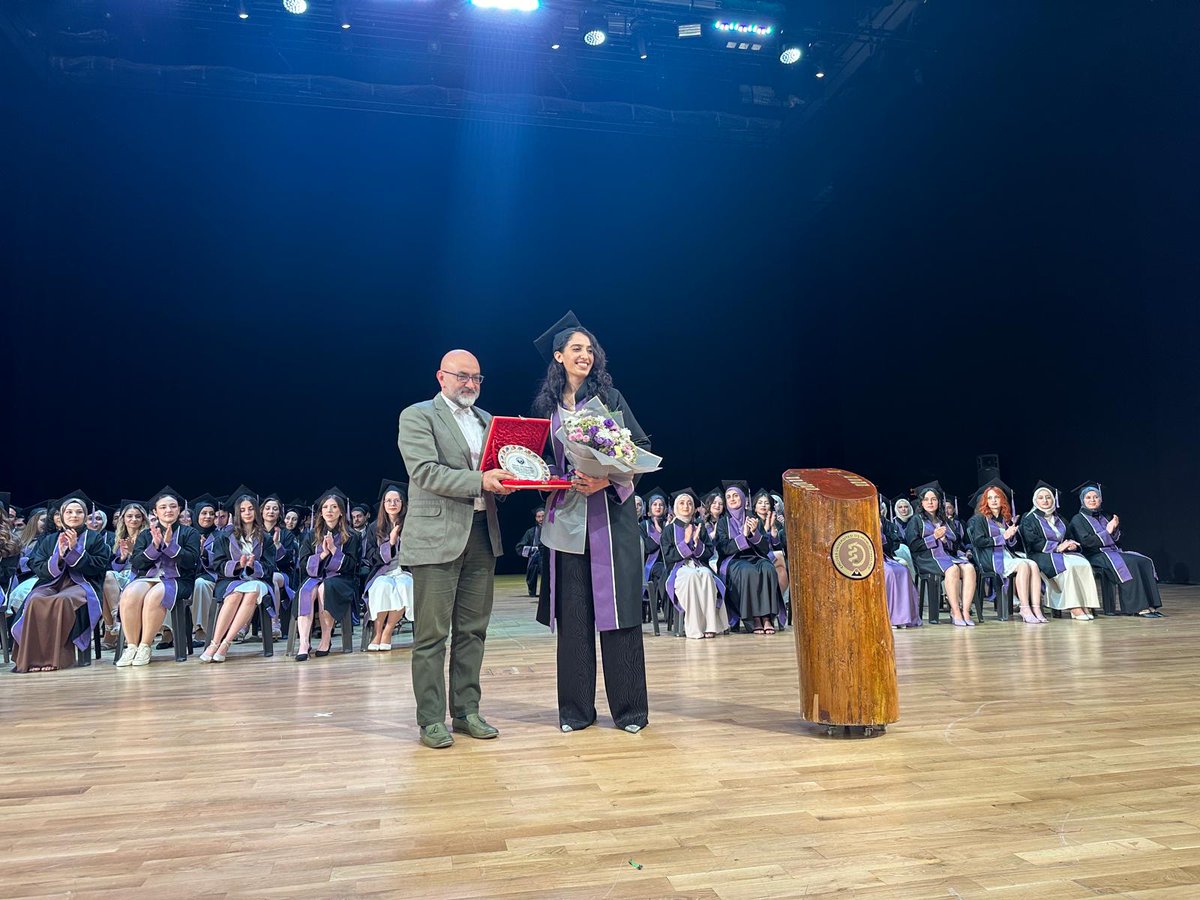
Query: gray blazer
x=442, y=486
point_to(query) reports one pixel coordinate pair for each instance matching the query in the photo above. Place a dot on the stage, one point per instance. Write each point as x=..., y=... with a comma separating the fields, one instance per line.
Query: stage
x=1053, y=761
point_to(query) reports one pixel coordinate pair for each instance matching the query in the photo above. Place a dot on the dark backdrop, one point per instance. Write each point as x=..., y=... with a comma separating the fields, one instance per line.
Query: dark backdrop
x=208, y=293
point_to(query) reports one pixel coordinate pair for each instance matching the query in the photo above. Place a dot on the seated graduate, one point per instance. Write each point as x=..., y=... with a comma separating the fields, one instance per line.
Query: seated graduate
x=185, y=516
x=244, y=561
x=903, y=609
x=530, y=549
x=993, y=534
x=902, y=512
x=287, y=553
x=131, y=520
x=10, y=554
x=931, y=543
x=204, y=513
x=652, y=571
x=690, y=583
x=714, y=508
x=295, y=520
x=64, y=606
x=360, y=515
x=389, y=589
x=750, y=578
x=1068, y=574
x=329, y=564
x=97, y=521
x=1099, y=534
x=961, y=542
x=773, y=530
x=166, y=560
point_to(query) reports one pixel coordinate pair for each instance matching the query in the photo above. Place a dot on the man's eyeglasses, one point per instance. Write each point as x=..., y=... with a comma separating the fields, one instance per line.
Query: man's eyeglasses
x=464, y=378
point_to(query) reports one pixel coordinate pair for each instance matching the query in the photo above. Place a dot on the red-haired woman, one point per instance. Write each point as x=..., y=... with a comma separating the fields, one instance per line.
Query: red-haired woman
x=993, y=535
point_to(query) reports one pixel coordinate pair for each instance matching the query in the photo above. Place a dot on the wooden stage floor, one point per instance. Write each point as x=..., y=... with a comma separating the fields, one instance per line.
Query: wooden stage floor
x=1052, y=761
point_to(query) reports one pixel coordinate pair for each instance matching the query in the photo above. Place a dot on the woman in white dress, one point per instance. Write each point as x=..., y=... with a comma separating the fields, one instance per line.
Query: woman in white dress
x=1065, y=570
x=389, y=591
x=692, y=586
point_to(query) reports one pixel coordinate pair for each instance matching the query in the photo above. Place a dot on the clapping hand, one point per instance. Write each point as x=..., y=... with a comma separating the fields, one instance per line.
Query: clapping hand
x=1010, y=532
x=327, y=547
x=394, y=536
x=64, y=543
x=939, y=532
x=277, y=536
x=167, y=534
x=242, y=561
x=752, y=524
x=1113, y=524
x=123, y=548
x=157, y=534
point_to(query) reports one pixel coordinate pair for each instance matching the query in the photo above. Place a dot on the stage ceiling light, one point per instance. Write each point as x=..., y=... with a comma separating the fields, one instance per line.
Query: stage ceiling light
x=243, y=13
x=749, y=29
x=594, y=27
x=791, y=54
x=508, y=5
x=296, y=7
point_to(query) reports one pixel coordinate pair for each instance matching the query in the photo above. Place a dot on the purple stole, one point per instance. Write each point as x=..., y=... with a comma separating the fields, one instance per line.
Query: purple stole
x=1054, y=535
x=694, y=551
x=386, y=551
x=996, y=532
x=255, y=573
x=165, y=567
x=937, y=549
x=59, y=566
x=653, y=556
x=1108, y=546
x=333, y=566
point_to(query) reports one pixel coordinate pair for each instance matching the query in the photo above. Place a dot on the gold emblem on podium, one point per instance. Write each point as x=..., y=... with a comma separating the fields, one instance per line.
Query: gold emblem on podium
x=853, y=555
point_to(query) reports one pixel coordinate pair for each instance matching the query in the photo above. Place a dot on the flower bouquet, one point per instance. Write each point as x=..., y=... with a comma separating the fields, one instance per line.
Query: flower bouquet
x=595, y=442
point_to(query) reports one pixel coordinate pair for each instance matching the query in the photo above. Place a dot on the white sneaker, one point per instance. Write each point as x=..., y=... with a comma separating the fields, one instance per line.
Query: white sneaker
x=142, y=658
x=127, y=657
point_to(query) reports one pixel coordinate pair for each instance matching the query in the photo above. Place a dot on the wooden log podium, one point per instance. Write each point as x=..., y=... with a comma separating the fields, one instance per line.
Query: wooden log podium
x=839, y=607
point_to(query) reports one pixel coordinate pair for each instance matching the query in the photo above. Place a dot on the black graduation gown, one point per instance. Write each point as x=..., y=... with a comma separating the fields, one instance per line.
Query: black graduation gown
x=177, y=564
x=671, y=557
x=653, y=572
x=1134, y=572
x=339, y=573
x=621, y=582
x=532, y=540
x=91, y=566
x=226, y=556
x=1034, y=525
x=374, y=561
x=751, y=582
x=930, y=556
x=890, y=537
x=987, y=543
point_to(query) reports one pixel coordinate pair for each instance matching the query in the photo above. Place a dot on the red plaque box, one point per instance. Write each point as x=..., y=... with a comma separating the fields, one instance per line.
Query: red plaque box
x=531, y=433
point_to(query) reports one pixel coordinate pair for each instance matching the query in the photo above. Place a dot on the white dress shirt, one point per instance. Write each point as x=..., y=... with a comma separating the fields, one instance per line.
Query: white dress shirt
x=472, y=432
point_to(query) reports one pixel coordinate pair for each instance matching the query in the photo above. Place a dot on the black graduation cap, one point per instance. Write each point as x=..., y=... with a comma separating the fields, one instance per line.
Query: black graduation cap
x=763, y=492
x=1048, y=486
x=240, y=492
x=362, y=507
x=272, y=496
x=393, y=484
x=984, y=488
x=685, y=492
x=545, y=343
x=657, y=492
x=334, y=491
x=936, y=487
x=743, y=486
x=125, y=504
x=299, y=507
x=75, y=495
x=166, y=491
x=1085, y=486
x=205, y=500
x=30, y=511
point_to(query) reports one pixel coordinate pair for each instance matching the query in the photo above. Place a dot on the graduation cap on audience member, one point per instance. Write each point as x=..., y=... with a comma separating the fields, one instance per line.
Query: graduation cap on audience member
x=334, y=491
x=88, y=505
x=364, y=508
x=935, y=486
x=241, y=492
x=743, y=486
x=125, y=504
x=205, y=500
x=659, y=494
x=760, y=493
x=549, y=338
x=166, y=491
x=1048, y=486
x=987, y=486
x=393, y=484
x=1084, y=486
x=685, y=492
x=30, y=511
x=299, y=507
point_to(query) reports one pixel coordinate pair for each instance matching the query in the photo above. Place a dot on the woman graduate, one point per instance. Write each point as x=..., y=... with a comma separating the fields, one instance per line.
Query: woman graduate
x=652, y=569
x=389, y=589
x=993, y=536
x=690, y=583
x=329, y=564
x=750, y=577
x=166, y=560
x=287, y=552
x=902, y=513
x=64, y=606
x=244, y=561
x=765, y=510
x=714, y=508
x=131, y=520
x=1068, y=574
x=204, y=518
x=903, y=608
x=931, y=543
x=1100, y=534
x=598, y=586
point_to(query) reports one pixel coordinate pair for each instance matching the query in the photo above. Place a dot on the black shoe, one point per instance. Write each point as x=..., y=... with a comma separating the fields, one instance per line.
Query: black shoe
x=166, y=645
x=320, y=653
x=301, y=657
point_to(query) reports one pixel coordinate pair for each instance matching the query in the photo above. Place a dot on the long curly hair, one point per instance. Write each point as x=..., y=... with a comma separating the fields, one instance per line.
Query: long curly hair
x=984, y=510
x=239, y=527
x=598, y=384
x=383, y=523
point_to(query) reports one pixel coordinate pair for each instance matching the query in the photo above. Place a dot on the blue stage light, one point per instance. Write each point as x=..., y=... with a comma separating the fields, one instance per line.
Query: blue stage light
x=750, y=28
x=790, y=55
x=296, y=7
x=508, y=5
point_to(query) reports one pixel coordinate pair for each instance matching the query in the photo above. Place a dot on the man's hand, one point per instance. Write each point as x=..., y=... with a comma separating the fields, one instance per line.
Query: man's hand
x=492, y=479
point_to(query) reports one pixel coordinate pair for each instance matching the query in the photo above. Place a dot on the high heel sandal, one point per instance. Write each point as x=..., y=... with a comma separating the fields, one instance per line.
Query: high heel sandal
x=207, y=657
x=219, y=656
x=1028, y=618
